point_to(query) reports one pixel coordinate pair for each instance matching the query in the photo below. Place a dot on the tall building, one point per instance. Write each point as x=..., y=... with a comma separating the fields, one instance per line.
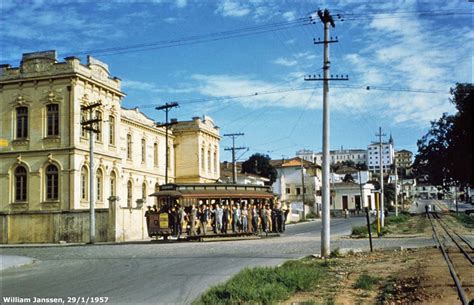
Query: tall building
x=358, y=156
x=45, y=160
x=404, y=158
x=374, y=156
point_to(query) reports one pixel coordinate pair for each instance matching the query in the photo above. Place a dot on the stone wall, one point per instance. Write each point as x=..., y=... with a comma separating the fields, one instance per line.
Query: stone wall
x=52, y=227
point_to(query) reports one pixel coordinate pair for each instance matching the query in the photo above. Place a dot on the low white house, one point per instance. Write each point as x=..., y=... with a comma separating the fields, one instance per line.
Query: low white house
x=347, y=196
x=426, y=191
x=289, y=184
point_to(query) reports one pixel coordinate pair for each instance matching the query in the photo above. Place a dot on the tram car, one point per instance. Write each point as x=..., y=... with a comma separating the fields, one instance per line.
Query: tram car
x=159, y=222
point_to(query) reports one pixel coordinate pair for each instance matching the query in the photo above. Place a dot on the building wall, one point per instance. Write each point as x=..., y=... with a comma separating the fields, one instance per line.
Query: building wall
x=351, y=191
x=358, y=156
x=197, y=151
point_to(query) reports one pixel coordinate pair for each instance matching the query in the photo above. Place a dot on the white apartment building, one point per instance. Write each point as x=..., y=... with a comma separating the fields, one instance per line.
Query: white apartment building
x=374, y=156
x=358, y=156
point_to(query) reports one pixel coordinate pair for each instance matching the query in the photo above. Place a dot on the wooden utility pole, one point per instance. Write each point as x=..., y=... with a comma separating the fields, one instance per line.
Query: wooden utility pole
x=92, y=126
x=166, y=107
x=233, y=149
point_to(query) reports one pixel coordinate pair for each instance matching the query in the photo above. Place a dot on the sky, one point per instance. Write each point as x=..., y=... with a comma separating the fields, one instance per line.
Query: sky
x=243, y=63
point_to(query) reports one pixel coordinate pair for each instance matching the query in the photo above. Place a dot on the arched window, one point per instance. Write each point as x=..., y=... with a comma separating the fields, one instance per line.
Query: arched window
x=99, y=178
x=111, y=130
x=52, y=182
x=52, y=120
x=84, y=117
x=113, y=183
x=155, y=154
x=84, y=176
x=129, y=146
x=216, y=162
x=22, y=122
x=209, y=161
x=203, y=160
x=144, y=194
x=143, y=150
x=129, y=193
x=21, y=187
x=98, y=126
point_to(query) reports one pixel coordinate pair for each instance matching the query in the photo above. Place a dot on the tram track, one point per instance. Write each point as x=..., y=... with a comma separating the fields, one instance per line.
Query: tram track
x=458, y=258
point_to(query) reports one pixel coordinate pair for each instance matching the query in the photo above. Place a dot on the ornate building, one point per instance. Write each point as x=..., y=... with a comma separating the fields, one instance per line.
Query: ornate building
x=44, y=153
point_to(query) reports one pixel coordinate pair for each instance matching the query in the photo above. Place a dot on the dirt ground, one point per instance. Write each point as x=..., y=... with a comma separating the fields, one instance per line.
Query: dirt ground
x=413, y=276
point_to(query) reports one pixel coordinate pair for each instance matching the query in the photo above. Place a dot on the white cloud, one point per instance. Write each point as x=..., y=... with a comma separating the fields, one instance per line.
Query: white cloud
x=181, y=3
x=128, y=84
x=289, y=16
x=232, y=8
x=286, y=62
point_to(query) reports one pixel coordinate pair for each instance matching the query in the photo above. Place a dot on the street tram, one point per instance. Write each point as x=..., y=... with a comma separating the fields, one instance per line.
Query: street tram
x=185, y=195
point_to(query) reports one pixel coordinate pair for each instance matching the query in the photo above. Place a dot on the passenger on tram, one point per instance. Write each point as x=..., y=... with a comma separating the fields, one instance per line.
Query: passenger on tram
x=225, y=219
x=244, y=218
x=181, y=219
x=218, y=214
x=268, y=214
x=254, y=218
x=173, y=213
x=192, y=220
x=203, y=219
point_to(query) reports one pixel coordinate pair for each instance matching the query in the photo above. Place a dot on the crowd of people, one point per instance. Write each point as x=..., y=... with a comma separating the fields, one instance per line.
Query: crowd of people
x=223, y=218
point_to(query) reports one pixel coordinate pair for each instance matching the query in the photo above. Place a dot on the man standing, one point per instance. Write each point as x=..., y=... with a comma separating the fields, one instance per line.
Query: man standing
x=236, y=218
x=225, y=219
x=203, y=218
x=218, y=214
x=192, y=220
x=181, y=219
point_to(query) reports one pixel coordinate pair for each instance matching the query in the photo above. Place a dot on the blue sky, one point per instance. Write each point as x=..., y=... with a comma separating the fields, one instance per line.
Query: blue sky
x=409, y=52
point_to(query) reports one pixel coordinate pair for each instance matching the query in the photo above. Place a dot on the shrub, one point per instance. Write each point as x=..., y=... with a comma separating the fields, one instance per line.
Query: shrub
x=366, y=282
x=265, y=285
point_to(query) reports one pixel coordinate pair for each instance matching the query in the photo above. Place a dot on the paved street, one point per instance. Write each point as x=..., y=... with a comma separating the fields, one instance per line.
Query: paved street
x=163, y=273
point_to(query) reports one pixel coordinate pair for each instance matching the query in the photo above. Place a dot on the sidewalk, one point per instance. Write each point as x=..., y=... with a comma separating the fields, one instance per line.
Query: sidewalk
x=10, y=261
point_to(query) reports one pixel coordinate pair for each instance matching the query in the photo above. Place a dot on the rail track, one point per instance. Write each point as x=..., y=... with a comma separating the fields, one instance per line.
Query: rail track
x=457, y=251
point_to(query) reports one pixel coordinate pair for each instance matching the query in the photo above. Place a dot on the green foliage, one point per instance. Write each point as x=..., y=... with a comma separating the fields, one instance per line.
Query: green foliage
x=401, y=218
x=259, y=164
x=366, y=282
x=311, y=215
x=449, y=137
x=465, y=220
x=266, y=285
x=335, y=253
x=360, y=231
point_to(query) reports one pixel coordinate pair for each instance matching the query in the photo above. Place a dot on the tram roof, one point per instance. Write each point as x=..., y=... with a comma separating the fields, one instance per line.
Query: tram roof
x=214, y=191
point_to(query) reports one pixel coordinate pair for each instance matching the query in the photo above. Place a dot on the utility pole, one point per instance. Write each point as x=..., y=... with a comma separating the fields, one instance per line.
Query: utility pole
x=302, y=191
x=166, y=107
x=396, y=185
x=91, y=126
x=327, y=20
x=382, y=214
x=233, y=149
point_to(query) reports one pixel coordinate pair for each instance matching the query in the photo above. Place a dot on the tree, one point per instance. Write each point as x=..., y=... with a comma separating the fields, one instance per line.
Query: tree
x=445, y=152
x=348, y=178
x=259, y=164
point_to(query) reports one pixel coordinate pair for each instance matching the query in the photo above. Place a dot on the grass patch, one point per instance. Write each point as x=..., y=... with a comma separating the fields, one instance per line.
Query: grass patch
x=366, y=282
x=267, y=285
x=465, y=220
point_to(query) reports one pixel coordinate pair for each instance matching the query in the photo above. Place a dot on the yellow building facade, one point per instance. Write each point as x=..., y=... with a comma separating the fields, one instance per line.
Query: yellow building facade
x=45, y=160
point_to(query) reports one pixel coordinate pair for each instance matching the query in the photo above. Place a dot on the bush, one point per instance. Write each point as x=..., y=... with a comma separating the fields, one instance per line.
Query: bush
x=265, y=285
x=360, y=231
x=465, y=220
x=366, y=282
x=311, y=215
x=401, y=218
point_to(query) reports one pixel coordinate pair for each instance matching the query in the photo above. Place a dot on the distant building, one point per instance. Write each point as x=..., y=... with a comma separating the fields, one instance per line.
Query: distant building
x=347, y=196
x=242, y=178
x=289, y=183
x=358, y=156
x=374, y=156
